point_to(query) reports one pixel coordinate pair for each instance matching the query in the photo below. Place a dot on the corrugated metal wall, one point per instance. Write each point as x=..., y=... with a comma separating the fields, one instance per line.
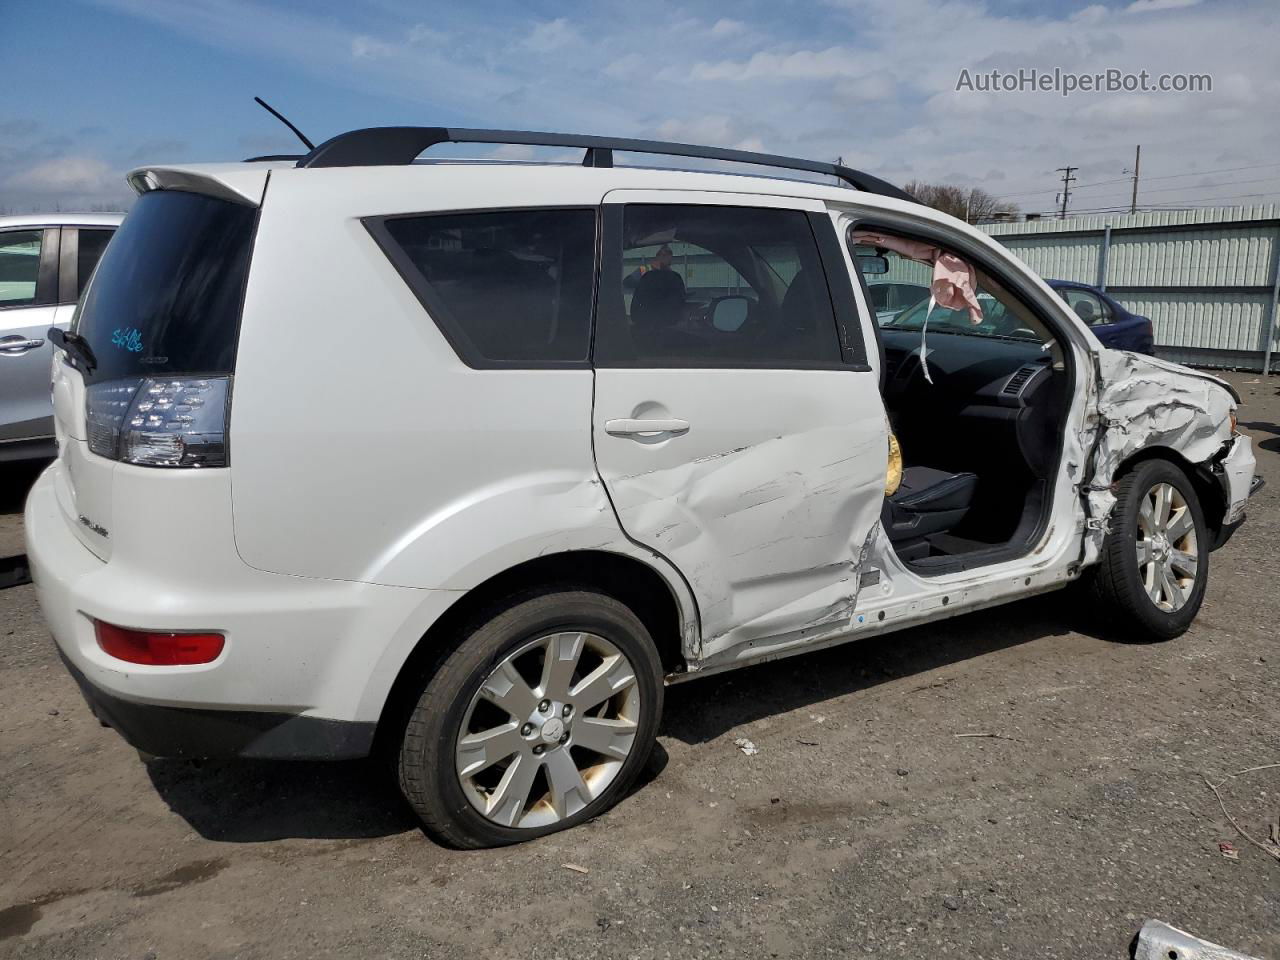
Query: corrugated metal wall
x=1206, y=278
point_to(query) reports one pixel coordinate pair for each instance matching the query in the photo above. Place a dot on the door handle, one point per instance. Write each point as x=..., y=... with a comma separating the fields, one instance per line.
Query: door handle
x=645, y=428
x=16, y=346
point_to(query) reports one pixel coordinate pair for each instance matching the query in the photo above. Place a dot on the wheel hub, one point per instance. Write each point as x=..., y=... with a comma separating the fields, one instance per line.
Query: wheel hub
x=553, y=730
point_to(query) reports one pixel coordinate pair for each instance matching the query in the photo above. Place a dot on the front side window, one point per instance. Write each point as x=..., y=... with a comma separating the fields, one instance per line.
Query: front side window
x=508, y=288
x=19, y=267
x=716, y=286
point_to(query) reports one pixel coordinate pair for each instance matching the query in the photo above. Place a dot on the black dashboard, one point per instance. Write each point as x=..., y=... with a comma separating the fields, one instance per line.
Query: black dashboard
x=993, y=401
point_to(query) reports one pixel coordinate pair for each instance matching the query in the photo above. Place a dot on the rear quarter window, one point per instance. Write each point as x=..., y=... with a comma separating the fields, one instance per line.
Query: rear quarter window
x=508, y=288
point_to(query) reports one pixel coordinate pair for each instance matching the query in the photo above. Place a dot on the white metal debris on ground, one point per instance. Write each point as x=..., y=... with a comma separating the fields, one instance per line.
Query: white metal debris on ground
x=1158, y=941
x=746, y=746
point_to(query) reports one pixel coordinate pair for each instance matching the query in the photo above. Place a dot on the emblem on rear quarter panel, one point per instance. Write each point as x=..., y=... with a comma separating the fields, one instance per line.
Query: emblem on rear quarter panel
x=95, y=527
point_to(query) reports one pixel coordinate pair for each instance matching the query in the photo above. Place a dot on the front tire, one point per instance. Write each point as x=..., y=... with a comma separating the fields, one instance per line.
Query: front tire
x=542, y=718
x=1155, y=560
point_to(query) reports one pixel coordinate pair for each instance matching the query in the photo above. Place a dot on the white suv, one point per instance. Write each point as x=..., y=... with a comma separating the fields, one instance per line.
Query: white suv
x=468, y=460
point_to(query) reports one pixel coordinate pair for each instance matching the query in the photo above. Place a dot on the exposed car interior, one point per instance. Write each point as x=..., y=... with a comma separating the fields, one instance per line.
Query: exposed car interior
x=978, y=422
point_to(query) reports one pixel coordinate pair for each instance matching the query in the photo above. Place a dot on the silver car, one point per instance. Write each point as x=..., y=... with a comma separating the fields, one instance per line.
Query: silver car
x=45, y=261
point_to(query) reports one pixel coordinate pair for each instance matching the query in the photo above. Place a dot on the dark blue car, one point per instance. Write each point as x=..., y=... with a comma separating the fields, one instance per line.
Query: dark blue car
x=1111, y=323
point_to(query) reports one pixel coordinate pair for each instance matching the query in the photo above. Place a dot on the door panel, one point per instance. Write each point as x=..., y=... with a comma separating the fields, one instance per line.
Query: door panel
x=765, y=502
x=761, y=484
x=26, y=411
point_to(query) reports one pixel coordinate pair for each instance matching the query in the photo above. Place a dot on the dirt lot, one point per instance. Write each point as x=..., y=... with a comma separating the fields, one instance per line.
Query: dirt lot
x=865, y=826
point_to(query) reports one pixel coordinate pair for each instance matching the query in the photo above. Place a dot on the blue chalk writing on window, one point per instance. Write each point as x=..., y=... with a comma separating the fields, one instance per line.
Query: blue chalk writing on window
x=127, y=339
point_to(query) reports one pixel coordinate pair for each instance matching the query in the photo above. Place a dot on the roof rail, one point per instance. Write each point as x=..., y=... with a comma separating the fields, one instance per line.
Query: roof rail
x=396, y=146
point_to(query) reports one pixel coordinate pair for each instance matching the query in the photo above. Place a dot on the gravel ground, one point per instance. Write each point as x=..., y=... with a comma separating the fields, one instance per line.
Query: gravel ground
x=865, y=826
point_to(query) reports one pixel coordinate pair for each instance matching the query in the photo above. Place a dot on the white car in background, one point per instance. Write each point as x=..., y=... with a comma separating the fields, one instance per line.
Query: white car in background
x=45, y=261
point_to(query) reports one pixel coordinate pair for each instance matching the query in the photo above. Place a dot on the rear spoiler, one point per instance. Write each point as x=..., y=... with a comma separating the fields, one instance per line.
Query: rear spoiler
x=226, y=181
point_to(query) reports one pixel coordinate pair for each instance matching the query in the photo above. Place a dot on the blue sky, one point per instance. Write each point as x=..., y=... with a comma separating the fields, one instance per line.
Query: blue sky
x=112, y=84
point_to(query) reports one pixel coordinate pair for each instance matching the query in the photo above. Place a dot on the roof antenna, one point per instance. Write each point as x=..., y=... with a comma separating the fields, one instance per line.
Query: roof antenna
x=281, y=117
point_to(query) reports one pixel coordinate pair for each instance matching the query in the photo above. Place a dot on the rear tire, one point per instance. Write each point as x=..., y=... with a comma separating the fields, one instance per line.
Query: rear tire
x=1155, y=560
x=542, y=718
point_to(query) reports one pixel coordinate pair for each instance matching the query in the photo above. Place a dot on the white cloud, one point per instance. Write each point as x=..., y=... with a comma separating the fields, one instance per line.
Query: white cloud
x=513, y=151
x=421, y=33
x=724, y=27
x=551, y=35
x=367, y=48
x=65, y=174
x=1151, y=6
x=1094, y=13
x=871, y=88
x=799, y=64
x=625, y=66
x=855, y=78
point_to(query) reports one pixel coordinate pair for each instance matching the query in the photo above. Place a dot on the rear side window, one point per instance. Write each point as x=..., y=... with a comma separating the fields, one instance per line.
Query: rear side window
x=19, y=267
x=90, y=245
x=1088, y=306
x=508, y=288
x=167, y=293
x=715, y=286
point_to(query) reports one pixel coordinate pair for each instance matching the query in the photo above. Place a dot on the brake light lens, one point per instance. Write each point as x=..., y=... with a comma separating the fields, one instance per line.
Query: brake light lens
x=158, y=649
x=160, y=422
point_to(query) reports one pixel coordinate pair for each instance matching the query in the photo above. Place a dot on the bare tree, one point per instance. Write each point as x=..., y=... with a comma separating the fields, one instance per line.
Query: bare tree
x=968, y=203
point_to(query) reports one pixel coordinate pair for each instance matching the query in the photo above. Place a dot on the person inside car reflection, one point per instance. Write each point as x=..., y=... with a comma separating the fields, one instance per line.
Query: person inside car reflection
x=661, y=261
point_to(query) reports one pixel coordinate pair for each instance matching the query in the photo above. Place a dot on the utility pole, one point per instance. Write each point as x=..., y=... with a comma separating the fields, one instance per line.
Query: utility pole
x=1067, y=180
x=1137, y=161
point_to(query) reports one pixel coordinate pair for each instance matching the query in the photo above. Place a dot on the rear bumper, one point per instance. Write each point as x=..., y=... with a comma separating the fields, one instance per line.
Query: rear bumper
x=190, y=733
x=307, y=664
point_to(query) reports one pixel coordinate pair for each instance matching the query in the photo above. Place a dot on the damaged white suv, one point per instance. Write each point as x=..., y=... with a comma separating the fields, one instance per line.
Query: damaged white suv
x=468, y=460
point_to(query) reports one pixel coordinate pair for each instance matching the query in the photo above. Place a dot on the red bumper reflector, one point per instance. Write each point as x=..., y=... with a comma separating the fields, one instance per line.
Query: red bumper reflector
x=158, y=649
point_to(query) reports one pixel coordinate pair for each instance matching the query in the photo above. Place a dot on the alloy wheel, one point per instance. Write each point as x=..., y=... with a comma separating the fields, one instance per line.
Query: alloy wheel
x=548, y=730
x=1168, y=552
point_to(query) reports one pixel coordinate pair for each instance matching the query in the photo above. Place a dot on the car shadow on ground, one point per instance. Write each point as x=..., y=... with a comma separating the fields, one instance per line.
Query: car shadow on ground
x=15, y=481
x=247, y=801
x=702, y=710
x=1271, y=443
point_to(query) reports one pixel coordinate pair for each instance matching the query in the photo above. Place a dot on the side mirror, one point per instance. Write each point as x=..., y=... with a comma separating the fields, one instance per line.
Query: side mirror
x=728, y=314
x=872, y=266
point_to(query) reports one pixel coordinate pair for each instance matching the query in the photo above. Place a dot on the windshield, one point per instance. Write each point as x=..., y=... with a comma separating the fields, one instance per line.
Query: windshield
x=165, y=298
x=997, y=321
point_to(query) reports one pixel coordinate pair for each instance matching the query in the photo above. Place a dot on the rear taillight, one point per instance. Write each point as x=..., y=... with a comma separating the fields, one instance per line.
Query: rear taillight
x=158, y=649
x=160, y=422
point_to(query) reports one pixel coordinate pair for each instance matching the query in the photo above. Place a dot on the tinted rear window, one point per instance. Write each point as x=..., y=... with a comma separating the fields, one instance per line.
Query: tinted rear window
x=166, y=296
x=508, y=288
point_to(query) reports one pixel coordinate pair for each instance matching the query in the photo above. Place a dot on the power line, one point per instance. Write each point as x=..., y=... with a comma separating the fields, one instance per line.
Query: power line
x=1169, y=176
x=1195, y=193
x=1170, y=205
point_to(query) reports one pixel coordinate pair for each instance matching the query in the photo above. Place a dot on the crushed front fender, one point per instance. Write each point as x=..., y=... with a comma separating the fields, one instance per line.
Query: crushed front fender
x=1145, y=403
